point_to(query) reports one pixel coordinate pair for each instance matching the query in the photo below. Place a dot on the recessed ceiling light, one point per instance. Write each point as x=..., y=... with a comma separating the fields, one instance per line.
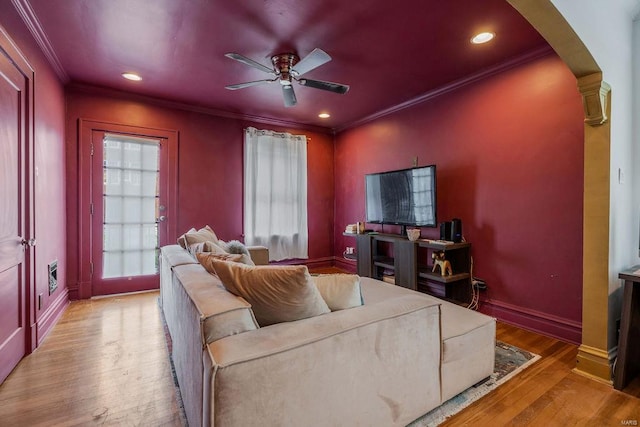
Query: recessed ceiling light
x=482, y=38
x=324, y=115
x=132, y=76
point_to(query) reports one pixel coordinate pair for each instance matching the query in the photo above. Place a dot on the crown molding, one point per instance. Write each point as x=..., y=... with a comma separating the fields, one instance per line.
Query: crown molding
x=30, y=19
x=455, y=85
x=160, y=102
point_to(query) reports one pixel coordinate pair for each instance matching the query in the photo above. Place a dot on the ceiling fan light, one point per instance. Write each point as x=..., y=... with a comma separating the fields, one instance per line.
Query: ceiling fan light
x=324, y=115
x=482, y=38
x=132, y=76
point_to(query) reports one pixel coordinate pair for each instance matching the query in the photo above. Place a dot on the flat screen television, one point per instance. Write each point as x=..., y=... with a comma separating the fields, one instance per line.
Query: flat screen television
x=402, y=197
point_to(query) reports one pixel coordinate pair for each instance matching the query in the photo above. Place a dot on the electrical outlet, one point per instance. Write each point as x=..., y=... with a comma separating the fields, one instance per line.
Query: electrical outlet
x=479, y=284
x=349, y=250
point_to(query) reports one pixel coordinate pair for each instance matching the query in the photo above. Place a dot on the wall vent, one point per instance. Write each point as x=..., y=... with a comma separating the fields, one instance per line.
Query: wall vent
x=53, y=276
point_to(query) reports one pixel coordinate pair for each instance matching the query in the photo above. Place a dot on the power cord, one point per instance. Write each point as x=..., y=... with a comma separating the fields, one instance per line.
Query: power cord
x=475, y=292
x=344, y=255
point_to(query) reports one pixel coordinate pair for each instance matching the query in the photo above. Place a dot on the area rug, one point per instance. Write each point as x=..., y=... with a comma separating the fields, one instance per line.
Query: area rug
x=510, y=361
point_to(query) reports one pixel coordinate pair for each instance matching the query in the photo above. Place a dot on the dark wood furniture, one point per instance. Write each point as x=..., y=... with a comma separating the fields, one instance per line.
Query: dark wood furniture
x=628, y=364
x=411, y=264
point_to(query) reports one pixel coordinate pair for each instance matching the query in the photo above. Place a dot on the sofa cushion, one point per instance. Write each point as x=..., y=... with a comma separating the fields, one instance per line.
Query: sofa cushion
x=206, y=258
x=468, y=337
x=374, y=365
x=175, y=255
x=221, y=313
x=468, y=348
x=276, y=293
x=339, y=291
x=259, y=254
x=464, y=330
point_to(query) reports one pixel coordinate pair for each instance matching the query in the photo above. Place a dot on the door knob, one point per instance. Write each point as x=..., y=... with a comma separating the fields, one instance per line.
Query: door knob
x=30, y=242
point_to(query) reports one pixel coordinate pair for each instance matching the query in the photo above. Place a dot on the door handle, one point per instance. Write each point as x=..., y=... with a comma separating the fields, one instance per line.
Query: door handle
x=30, y=242
x=161, y=218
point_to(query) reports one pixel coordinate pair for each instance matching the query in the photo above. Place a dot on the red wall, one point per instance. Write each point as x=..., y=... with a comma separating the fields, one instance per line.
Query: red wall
x=48, y=176
x=509, y=152
x=209, y=167
x=509, y=157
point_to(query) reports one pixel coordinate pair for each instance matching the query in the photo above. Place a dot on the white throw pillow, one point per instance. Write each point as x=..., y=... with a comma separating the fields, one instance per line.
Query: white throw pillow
x=339, y=291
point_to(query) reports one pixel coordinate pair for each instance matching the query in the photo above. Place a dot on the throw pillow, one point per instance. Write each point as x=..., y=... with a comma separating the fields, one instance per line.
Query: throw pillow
x=276, y=293
x=200, y=247
x=195, y=249
x=205, y=259
x=339, y=291
x=205, y=234
x=213, y=247
x=182, y=241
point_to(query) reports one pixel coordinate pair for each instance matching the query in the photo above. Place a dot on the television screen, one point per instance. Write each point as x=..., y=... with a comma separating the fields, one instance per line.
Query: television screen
x=402, y=197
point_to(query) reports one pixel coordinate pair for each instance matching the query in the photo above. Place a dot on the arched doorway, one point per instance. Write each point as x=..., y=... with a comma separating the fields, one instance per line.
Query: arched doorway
x=594, y=355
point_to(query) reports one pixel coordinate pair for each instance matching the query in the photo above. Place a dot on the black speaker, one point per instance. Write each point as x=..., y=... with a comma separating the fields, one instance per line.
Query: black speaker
x=445, y=230
x=456, y=230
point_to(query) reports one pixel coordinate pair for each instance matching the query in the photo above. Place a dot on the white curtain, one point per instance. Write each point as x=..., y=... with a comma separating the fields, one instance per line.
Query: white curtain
x=275, y=193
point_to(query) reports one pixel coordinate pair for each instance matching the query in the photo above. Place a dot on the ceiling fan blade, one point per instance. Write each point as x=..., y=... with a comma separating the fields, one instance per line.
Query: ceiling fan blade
x=316, y=58
x=330, y=86
x=289, y=96
x=248, y=84
x=249, y=62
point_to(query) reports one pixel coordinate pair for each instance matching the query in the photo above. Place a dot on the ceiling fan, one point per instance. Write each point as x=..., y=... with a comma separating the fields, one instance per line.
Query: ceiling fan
x=287, y=68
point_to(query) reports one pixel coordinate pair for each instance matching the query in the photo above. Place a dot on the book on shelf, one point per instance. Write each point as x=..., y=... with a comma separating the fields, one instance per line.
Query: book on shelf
x=351, y=228
x=389, y=279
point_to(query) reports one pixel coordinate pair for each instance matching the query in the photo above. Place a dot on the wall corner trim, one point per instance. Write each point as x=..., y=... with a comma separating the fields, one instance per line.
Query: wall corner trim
x=595, y=96
x=53, y=313
x=594, y=363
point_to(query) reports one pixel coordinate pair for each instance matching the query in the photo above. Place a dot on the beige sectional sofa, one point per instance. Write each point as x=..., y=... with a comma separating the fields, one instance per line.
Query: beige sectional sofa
x=385, y=363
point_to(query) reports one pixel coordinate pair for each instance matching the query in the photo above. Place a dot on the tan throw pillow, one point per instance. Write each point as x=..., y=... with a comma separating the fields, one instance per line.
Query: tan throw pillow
x=339, y=291
x=200, y=247
x=205, y=234
x=205, y=259
x=213, y=248
x=276, y=293
x=195, y=249
x=182, y=241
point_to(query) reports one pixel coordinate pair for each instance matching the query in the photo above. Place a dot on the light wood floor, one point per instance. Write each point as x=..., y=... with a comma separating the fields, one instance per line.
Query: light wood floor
x=106, y=363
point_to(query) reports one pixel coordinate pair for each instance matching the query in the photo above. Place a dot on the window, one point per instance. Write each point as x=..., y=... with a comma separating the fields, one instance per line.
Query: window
x=275, y=193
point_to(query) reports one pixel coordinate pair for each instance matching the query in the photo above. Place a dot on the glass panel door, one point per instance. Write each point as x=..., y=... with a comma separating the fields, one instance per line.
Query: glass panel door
x=130, y=204
x=129, y=194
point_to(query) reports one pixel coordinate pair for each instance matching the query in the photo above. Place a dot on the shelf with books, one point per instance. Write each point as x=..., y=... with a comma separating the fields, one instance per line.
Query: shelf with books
x=411, y=264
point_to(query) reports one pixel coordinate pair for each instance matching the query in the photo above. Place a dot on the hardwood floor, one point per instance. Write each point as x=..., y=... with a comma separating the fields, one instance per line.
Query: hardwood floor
x=105, y=362
x=549, y=393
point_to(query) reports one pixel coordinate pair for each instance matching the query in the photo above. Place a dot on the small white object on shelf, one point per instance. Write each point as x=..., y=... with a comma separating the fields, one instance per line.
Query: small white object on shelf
x=413, y=234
